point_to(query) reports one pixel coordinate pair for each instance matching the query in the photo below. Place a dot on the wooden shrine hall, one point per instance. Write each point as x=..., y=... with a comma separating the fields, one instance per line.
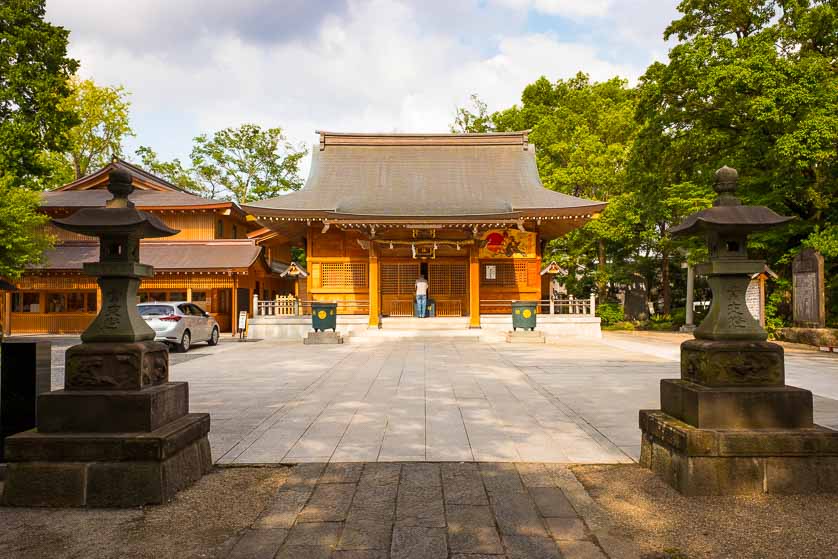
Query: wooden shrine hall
x=467, y=211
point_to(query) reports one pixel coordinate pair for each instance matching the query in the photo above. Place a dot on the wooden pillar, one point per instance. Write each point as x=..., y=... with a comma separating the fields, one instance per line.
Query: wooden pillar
x=7, y=314
x=474, y=287
x=234, y=304
x=99, y=299
x=375, y=288
x=189, y=294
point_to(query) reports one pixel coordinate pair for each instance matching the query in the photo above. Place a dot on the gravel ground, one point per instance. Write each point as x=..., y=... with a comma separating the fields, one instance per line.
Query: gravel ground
x=667, y=525
x=196, y=524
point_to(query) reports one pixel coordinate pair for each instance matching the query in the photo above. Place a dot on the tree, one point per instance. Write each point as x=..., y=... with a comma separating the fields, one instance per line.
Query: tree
x=249, y=163
x=203, y=182
x=34, y=74
x=103, y=126
x=474, y=120
x=753, y=84
x=584, y=132
x=22, y=237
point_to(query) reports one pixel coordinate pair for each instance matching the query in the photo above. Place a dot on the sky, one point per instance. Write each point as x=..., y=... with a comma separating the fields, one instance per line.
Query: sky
x=196, y=66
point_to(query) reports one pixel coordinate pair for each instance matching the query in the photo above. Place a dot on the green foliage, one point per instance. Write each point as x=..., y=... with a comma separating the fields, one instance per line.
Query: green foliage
x=249, y=163
x=610, y=313
x=776, y=306
x=22, y=238
x=34, y=74
x=584, y=132
x=679, y=317
x=103, y=126
x=753, y=84
x=472, y=120
x=242, y=164
x=298, y=255
x=624, y=325
x=660, y=323
x=189, y=178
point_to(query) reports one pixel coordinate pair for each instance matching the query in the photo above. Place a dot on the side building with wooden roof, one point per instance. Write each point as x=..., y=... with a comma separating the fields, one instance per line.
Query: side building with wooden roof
x=218, y=260
x=467, y=211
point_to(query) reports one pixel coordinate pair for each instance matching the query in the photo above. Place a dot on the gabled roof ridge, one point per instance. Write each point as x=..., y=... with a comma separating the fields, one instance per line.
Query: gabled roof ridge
x=214, y=242
x=424, y=139
x=422, y=134
x=118, y=162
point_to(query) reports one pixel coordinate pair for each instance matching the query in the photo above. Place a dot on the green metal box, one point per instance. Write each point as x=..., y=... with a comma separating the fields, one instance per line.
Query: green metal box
x=523, y=314
x=324, y=316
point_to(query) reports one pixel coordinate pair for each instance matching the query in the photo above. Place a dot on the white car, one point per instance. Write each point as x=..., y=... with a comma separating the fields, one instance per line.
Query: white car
x=180, y=323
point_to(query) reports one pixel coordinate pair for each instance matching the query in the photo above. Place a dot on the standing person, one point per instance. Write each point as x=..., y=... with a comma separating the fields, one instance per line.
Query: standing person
x=421, y=295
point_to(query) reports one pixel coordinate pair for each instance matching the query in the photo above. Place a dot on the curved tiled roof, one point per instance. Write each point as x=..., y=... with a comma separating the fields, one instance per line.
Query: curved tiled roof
x=176, y=255
x=150, y=191
x=424, y=175
x=95, y=198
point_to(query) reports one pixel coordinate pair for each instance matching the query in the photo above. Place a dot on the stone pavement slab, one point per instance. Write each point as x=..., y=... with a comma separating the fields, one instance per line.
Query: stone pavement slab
x=402, y=511
x=444, y=400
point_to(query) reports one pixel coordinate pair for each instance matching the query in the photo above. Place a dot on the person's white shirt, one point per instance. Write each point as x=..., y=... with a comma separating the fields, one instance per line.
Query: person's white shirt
x=421, y=286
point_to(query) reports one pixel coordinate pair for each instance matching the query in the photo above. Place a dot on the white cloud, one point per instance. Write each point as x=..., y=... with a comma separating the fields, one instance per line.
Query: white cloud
x=565, y=8
x=365, y=65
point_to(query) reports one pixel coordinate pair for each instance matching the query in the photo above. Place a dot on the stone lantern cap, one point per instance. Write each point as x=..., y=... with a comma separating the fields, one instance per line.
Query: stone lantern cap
x=119, y=217
x=728, y=215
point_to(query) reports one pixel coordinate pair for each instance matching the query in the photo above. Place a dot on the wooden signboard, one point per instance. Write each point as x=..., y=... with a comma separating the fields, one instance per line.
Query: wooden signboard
x=242, y=324
x=508, y=243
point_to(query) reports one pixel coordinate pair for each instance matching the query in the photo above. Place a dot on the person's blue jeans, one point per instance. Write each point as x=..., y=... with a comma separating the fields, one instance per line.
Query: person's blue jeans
x=421, y=305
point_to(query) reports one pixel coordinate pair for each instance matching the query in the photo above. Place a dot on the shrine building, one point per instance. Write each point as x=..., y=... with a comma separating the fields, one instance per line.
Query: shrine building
x=218, y=260
x=467, y=211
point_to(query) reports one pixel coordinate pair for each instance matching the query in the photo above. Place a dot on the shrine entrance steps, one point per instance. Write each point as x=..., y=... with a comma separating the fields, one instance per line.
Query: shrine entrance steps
x=453, y=329
x=493, y=327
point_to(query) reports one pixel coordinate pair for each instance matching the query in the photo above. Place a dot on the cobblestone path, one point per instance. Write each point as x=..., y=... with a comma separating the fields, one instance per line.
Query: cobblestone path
x=430, y=511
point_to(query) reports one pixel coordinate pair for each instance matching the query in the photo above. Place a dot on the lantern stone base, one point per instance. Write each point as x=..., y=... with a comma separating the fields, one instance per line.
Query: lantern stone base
x=107, y=469
x=525, y=337
x=736, y=407
x=741, y=461
x=323, y=337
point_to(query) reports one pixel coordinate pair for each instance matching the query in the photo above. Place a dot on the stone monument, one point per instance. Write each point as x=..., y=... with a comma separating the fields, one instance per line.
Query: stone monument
x=730, y=424
x=25, y=372
x=119, y=434
x=808, y=290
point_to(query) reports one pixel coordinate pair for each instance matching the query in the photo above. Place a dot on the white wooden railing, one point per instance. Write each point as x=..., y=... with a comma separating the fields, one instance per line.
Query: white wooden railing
x=569, y=306
x=288, y=305
x=281, y=305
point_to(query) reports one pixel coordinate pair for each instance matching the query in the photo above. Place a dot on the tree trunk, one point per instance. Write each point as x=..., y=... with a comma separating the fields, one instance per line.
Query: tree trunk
x=602, y=285
x=665, y=289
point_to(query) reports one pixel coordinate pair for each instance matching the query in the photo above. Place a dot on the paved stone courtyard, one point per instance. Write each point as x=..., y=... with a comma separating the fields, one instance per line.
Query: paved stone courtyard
x=446, y=400
x=429, y=511
x=442, y=399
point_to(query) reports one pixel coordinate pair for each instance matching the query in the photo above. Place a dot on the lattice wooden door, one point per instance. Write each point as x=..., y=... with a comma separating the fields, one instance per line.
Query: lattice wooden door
x=448, y=287
x=398, y=287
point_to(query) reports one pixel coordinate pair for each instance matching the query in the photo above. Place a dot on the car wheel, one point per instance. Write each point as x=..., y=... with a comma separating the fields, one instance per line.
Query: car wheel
x=185, y=342
x=214, y=337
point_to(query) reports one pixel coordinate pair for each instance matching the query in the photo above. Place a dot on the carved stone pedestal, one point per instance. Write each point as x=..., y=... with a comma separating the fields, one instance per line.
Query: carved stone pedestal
x=730, y=426
x=119, y=435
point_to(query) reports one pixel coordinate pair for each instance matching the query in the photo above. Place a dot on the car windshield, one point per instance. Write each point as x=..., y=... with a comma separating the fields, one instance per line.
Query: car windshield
x=156, y=310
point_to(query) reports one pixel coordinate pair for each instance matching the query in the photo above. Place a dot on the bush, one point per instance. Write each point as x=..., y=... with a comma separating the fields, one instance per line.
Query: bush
x=610, y=313
x=660, y=323
x=679, y=317
x=622, y=325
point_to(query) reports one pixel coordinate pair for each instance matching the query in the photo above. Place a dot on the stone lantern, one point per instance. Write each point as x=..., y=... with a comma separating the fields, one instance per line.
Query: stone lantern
x=119, y=434
x=730, y=424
